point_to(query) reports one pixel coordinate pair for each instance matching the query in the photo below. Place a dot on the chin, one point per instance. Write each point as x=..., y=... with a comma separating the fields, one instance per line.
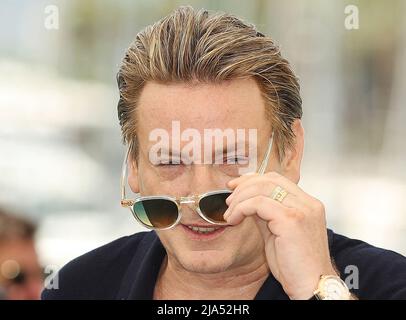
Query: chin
x=207, y=261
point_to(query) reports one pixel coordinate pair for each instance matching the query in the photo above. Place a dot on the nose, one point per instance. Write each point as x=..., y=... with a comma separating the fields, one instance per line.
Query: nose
x=203, y=178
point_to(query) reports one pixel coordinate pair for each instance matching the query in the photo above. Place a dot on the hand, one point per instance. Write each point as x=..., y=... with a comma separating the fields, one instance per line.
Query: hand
x=294, y=231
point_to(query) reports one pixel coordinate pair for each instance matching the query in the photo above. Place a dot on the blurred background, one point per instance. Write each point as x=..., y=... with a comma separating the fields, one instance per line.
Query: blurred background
x=60, y=143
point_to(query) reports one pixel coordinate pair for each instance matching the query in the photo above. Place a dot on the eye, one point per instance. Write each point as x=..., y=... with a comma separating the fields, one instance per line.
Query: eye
x=236, y=160
x=170, y=163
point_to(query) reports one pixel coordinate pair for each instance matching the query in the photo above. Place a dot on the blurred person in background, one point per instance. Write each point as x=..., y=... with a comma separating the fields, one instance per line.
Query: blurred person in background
x=20, y=272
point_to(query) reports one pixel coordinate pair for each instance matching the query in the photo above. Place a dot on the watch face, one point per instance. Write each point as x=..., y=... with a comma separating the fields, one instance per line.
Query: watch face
x=333, y=288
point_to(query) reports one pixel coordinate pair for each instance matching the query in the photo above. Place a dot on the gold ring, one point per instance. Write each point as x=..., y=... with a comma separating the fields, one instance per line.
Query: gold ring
x=279, y=194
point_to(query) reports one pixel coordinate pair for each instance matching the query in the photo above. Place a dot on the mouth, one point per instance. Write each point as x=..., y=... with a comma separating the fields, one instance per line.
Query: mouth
x=203, y=232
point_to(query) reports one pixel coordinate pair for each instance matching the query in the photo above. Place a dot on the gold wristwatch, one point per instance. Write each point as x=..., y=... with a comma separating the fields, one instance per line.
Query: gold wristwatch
x=331, y=288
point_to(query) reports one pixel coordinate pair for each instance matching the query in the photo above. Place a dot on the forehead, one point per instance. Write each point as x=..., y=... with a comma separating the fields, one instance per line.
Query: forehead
x=235, y=104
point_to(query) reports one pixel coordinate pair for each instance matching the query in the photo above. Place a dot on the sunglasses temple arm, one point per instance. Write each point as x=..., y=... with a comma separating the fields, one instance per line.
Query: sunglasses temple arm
x=123, y=177
x=264, y=163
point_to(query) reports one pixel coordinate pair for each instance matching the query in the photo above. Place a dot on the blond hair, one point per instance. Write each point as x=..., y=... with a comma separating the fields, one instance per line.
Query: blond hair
x=189, y=46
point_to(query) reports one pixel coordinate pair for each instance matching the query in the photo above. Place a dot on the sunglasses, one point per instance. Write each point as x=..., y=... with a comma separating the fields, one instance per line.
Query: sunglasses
x=162, y=212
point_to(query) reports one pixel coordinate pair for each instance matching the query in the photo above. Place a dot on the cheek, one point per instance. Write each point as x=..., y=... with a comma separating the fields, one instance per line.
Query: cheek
x=153, y=183
x=133, y=183
x=248, y=234
x=173, y=241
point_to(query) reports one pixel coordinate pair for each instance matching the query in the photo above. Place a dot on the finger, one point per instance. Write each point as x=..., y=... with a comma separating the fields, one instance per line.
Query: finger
x=235, y=182
x=276, y=180
x=265, y=208
x=259, y=189
x=286, y=184
x=242, y=183
x=292, y=188
x=270, y=252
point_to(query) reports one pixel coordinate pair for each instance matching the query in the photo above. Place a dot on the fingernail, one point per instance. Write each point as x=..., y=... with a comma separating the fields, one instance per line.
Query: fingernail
x=229, y=198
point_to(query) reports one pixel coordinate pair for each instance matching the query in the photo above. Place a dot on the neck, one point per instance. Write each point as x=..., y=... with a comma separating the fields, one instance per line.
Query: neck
x=243, y=282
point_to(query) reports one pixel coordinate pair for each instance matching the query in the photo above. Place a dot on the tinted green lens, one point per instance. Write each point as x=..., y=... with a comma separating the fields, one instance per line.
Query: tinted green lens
x=213, y=206
x=157, y=213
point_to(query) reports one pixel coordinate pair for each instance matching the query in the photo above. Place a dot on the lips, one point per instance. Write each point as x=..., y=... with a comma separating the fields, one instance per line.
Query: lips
x=202, y=232
x=205, y=229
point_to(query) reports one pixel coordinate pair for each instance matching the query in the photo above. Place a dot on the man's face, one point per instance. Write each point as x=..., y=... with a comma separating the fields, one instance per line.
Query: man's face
x=235, y=104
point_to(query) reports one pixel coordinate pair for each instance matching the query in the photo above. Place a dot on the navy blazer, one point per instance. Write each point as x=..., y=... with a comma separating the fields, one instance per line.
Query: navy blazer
x=127, y=268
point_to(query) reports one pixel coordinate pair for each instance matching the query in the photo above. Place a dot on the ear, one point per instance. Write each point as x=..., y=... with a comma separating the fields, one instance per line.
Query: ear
x=293, y=156
x=133, y=179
